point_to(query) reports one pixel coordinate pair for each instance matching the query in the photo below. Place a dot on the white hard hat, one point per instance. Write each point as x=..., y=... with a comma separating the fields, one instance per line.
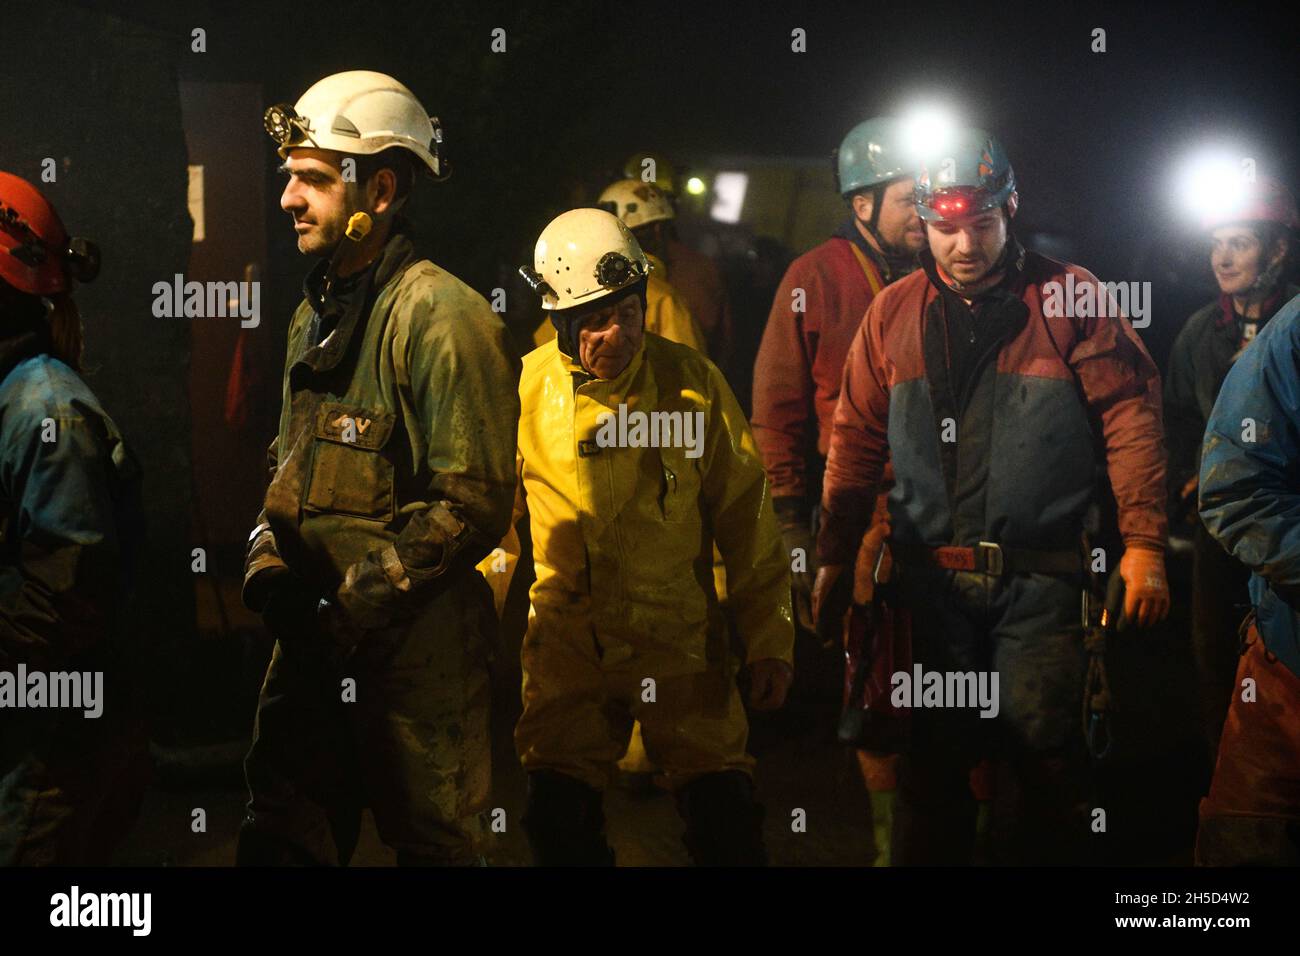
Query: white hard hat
x=636, y=203
x=582, y=256
x=358, y=112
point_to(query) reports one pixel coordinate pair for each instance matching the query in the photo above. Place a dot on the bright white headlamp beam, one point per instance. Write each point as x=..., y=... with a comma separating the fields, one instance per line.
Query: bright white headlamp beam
x=927, y=130
x=1210, y=182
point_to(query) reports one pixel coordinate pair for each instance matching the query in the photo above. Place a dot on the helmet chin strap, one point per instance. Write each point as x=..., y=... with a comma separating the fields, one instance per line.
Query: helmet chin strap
x=887, y=249
x=358, y=227
x=965, y=288
x=566, y=327
x=872, y=225
x=1264, y=285
x=958, y=286
x=568, y=324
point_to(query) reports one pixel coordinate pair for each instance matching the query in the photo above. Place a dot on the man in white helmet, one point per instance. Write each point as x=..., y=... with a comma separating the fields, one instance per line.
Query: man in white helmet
x=390, y=477
x=634, y=459
x=668, y=313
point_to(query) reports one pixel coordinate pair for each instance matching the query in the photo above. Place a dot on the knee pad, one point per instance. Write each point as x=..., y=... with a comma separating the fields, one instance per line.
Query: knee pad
x=724, y=821
x=564, y=822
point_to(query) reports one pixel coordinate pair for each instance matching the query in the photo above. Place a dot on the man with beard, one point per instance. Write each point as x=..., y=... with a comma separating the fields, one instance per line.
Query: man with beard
x=996, y=418
x=817, y=310
x=391, y=475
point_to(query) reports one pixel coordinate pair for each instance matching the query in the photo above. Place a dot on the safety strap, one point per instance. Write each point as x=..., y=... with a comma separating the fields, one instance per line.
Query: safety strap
x=1097, y=700
x=873, y=277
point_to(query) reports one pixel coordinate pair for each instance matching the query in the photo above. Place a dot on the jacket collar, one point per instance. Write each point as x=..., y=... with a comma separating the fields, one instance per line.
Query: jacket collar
x=617, y=385
x=1011, y=262
x=398, y=253
x=1269, y=308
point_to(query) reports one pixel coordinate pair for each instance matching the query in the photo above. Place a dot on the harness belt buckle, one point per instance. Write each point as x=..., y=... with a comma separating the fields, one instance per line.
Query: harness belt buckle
x=993, y=562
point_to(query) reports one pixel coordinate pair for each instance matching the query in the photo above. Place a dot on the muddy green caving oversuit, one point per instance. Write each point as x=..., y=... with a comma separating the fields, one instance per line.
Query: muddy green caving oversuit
x=392, y=474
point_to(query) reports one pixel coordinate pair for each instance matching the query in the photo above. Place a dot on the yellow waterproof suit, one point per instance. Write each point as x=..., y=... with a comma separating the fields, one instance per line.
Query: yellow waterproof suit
x=668, y=315
x=625, y=621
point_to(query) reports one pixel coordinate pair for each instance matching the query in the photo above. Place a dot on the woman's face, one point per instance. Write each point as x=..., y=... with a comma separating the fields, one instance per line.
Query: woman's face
x=1237, y=258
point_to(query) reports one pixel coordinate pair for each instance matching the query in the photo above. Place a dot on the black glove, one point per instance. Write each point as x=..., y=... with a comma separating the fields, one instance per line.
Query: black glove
x=796, y=534
x=292, y=611
x=800, y=536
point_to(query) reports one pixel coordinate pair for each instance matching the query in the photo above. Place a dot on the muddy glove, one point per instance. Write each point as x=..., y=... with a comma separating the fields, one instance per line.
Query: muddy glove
x=339, y=630
x=796, y=535
x=1146, y=600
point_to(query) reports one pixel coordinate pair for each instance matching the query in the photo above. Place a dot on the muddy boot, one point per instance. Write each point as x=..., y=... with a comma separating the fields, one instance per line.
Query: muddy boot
x=724, y=823
x=565, y=822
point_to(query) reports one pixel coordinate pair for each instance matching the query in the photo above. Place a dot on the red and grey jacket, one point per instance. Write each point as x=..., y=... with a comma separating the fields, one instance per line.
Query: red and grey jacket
x=1044, y=405
x=814, y=316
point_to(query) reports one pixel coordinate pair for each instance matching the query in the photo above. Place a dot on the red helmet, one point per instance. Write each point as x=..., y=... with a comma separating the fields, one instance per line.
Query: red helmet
x=36, y=254
x=1261, y=200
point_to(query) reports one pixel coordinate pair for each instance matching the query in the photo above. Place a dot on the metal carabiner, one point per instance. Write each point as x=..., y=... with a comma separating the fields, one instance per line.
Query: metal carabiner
x=1097, y=722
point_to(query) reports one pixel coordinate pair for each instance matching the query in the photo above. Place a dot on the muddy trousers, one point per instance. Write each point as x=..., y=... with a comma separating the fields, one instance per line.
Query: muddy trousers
x=1252, y=814
x=401, y=727
x=1025, y=630
x=565, y=821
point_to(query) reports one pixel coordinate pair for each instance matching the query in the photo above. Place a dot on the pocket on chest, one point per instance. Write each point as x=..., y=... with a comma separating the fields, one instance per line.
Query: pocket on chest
x=350, y=474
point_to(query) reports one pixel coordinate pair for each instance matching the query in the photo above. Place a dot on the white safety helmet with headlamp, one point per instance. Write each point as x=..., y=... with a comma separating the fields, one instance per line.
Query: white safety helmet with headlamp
x=359, y=112
x=583, y=256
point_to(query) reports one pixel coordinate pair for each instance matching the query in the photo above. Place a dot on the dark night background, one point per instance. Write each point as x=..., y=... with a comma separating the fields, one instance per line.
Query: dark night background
x=114, y=93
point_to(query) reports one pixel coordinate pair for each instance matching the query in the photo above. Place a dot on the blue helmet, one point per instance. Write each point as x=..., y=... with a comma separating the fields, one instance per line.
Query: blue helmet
x=971, y=177
x=871, y=154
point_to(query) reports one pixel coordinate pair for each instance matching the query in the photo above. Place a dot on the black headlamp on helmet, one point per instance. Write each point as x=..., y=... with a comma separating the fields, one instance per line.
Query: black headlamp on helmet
x=285, y=126
x=615, y=270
